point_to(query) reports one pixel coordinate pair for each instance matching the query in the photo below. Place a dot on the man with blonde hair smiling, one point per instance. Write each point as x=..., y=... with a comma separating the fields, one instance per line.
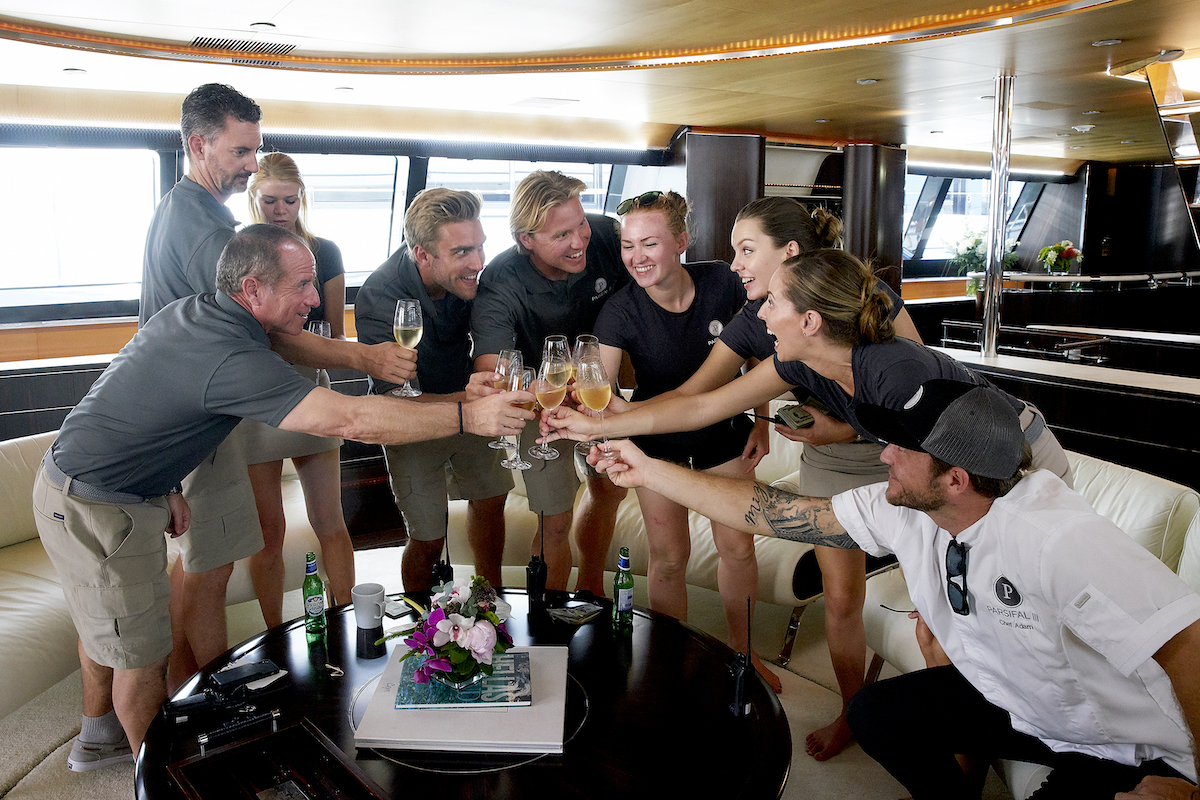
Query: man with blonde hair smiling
x=563, y=268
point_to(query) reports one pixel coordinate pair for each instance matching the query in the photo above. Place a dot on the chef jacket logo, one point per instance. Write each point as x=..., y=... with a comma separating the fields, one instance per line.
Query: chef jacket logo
x=1007, y=593
x=715, y=327
x=601, y=285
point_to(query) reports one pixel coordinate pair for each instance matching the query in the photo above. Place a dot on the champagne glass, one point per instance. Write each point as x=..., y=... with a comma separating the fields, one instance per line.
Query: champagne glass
x=407, y=328
x=550, y=388
x=587, y=347
x=507, y=363
x=555, y=348
x=594, y=390
x=520, y=381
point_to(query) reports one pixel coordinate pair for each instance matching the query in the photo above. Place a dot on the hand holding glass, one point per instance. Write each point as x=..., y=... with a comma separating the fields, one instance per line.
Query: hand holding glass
x=550, y=388
x=507, y=363
x=519, y=382
x=594, y=390
x=407, y=328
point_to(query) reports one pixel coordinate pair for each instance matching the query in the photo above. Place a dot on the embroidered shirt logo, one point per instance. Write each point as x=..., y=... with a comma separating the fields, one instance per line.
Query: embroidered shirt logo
x=1007, y=593
x=601, y=285
x=715, y=327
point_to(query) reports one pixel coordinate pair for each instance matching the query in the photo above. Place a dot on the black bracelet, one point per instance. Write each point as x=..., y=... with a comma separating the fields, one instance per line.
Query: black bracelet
x=460, y=425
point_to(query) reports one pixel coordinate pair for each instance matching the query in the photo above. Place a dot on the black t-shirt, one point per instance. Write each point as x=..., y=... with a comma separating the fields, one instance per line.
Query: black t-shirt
x=886, y=374
x=329, y=265
x=666, y=348
x=444, y=354
x=519, y=307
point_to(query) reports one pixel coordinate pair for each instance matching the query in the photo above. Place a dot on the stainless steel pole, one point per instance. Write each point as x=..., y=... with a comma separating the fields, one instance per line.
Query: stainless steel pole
x=1001, y=143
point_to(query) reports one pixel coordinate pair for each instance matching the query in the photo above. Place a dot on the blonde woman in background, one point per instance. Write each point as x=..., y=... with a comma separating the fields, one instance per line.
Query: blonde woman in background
x=278, y=197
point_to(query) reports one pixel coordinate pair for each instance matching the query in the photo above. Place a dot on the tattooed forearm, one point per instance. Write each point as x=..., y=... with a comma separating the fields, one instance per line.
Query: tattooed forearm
x=799, y=519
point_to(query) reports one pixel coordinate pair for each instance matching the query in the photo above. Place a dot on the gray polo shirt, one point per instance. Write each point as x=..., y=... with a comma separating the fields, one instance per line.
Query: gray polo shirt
x=444, y=354
x=173, y=394
x=187, y=234
x=517, y=305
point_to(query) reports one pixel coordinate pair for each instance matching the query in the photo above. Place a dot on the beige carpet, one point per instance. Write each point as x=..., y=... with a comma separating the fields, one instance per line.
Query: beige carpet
x=36, y=739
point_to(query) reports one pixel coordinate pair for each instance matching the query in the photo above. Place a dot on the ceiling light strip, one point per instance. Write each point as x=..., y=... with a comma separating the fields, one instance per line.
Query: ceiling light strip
x=996, y=16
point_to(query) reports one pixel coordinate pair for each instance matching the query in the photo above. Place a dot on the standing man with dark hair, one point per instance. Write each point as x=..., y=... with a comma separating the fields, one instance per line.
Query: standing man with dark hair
x=221, y=136
x=438, y=266
x=1069, y=644
x=564, y=267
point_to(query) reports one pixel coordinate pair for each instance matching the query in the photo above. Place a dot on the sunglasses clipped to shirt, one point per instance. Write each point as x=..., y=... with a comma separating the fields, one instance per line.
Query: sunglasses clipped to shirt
x=641, y=201
x=956, y=567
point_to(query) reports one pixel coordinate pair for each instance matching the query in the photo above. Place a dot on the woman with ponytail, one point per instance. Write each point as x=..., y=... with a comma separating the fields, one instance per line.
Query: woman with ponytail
x=835, y=338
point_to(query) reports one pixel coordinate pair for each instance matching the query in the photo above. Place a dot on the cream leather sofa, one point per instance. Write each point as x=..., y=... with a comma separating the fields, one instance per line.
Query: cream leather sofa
x=37, y=637
x=1160, y=515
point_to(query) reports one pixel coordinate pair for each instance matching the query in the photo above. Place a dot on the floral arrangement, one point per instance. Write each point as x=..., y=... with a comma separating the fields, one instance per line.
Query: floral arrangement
x=970, y=255
x=1059, y=256
x=461, y=631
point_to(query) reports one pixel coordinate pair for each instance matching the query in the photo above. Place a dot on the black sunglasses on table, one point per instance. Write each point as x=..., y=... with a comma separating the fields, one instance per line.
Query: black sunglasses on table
x=956, y=567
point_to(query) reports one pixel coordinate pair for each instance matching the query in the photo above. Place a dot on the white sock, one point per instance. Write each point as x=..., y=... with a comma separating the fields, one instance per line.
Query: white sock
x=101, y=730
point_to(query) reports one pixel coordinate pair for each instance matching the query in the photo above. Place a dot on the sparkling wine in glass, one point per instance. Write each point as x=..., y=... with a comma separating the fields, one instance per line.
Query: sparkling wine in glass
x=550, y=388
x=594, y=390
x=555, y=348
x=407, y=328
x=587, y=347
x=519, y=381
x=507, y=363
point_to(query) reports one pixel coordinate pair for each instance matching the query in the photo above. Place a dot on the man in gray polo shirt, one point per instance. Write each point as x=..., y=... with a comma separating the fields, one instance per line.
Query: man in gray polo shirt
x=565, y=265
x=439, y=266
x=221, y=135
x=110, y=483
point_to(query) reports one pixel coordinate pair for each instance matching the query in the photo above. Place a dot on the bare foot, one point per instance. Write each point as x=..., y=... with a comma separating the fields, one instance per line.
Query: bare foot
x=827, y=742
x=770, y=677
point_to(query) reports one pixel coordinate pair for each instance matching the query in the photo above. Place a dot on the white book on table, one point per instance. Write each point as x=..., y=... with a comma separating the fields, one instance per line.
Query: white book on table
x=535, y=728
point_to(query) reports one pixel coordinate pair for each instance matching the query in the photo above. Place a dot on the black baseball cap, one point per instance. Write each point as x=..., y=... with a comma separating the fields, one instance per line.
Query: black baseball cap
x=966, y=425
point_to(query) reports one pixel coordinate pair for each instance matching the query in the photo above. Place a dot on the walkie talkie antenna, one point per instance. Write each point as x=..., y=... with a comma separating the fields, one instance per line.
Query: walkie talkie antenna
x=542, y=532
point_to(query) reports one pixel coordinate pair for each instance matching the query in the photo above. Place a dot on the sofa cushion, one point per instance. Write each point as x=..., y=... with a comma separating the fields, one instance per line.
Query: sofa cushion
x=39, y=638
x=19, y=460
x=1152, y=511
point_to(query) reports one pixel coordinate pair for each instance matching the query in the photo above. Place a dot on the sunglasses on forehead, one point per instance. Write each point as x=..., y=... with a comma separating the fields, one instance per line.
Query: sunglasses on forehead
x=641, y=201
x=956, y=567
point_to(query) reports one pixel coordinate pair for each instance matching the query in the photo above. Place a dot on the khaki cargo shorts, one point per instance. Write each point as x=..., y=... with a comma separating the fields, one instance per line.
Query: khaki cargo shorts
x=112, y=561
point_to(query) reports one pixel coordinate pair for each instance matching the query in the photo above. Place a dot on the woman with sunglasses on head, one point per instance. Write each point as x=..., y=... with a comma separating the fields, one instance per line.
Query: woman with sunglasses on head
x=278, y=196
x=666, y=320
x=825, y=308
x=766, y=233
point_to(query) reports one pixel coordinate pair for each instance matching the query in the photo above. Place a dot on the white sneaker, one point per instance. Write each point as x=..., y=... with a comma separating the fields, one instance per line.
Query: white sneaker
x=88, y=756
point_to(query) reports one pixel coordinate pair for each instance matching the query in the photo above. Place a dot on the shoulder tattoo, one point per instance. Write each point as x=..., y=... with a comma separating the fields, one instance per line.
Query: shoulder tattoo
x=800, y=519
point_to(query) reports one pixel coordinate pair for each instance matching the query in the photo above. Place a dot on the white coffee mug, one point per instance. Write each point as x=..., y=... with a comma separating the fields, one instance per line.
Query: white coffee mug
x=368, y=605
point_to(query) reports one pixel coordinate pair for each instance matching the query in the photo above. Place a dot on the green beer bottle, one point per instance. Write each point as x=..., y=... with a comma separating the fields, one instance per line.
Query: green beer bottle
x=314, y=599
x=622, y=613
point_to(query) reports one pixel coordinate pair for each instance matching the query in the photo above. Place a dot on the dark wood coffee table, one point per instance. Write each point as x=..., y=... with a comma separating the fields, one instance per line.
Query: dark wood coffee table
x=645, y=716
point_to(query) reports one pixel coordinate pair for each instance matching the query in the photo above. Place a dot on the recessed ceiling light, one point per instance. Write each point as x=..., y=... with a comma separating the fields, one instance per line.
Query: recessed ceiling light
x=74, y=71
x=1106, y=42
x=821, y=120
x=937, y=131
x=1062, y=135
x=1169, y=55
x=1089, y=112
x=1129, y=141
x=1076, y=147
x=1082, y=128
x=263, y=26
x=866, y=81
x=343, y=88
x=987, y=97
